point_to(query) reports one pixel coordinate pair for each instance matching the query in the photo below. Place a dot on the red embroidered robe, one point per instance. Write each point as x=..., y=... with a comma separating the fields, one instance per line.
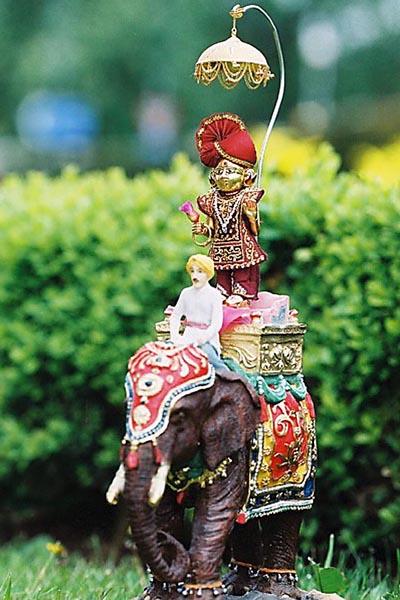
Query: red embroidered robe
x=234, y=245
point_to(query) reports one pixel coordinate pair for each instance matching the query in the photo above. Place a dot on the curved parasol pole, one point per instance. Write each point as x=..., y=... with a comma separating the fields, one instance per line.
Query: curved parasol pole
x=281, y=90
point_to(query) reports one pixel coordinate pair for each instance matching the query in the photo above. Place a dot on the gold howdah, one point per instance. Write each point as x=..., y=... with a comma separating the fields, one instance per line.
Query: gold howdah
x=267, y=349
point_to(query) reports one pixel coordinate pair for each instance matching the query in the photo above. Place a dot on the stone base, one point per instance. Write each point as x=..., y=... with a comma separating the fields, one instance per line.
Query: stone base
x=315, y=595
x=255, y=596
x=311, y=595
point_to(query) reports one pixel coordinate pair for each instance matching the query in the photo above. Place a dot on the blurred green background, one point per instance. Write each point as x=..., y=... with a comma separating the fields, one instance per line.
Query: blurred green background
x=90, y=255
x=106, y=83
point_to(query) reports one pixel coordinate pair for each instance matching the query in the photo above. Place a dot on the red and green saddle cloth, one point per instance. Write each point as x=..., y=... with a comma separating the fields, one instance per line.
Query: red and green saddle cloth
x=283, y=460
x=283, y=452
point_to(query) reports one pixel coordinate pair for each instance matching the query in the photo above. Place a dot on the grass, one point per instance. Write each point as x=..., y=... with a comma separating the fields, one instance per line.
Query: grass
x=28, y=569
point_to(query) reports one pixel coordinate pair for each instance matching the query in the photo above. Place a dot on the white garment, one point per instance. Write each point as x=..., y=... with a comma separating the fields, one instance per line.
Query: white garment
x=199, y=305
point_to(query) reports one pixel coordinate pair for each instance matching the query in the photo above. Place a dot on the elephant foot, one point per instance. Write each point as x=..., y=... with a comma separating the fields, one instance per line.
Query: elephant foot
x=158, y=590
x=246, y=578
x=240, y=580
x=184, y=591
x=281, y=585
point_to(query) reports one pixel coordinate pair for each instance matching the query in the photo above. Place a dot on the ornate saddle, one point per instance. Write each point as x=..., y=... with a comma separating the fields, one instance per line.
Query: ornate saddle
x=283, y=452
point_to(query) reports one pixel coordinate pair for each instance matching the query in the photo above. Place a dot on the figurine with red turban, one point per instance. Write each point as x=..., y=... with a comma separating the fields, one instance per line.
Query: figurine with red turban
x=231, y=206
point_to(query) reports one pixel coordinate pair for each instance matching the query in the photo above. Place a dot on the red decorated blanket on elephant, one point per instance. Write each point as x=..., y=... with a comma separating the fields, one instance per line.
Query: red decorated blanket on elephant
x=283, y=451
x=282, y=459
x=159, y=374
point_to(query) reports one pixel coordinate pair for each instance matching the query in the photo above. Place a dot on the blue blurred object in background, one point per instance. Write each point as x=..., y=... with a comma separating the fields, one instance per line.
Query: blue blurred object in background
x=57, y=122
x=157, y=128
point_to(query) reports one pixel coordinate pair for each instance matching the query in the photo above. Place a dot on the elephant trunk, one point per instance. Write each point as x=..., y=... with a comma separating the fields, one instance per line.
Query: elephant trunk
x=166, y=557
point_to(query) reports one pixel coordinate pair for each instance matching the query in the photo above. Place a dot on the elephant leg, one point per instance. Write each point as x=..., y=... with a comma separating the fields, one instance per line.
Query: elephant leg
x=280, y=539
x=215, y=514
x=247, y=549
x=247, y=543
x=280, y=535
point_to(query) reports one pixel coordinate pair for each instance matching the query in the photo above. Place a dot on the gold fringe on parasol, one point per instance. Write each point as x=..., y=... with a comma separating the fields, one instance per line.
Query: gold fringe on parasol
x=230, y=61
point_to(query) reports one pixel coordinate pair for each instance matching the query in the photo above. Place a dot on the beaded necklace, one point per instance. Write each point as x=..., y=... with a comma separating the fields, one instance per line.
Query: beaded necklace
x=224, y=222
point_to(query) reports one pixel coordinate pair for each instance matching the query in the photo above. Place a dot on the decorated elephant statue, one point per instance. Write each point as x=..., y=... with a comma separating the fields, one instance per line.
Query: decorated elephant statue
x=205, y=439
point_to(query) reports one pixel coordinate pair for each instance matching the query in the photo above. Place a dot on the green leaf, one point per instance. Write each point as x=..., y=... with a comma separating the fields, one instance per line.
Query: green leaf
x=7, y=593
x=331, y=580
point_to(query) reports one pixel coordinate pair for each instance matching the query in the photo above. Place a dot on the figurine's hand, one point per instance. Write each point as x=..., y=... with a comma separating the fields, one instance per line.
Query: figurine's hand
x=250, y=209
x=199, y=229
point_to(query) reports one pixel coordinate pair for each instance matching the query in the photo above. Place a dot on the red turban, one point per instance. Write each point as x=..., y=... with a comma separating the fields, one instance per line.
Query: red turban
x=224, y=135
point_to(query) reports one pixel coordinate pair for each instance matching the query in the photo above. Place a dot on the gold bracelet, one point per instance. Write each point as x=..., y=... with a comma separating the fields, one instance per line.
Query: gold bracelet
x=208, y=235
x=263, y=569
x=204, y=586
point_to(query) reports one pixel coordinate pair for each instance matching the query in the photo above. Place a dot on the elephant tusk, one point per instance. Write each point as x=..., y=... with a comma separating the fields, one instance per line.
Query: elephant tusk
x=116, y=486
x=158, y=483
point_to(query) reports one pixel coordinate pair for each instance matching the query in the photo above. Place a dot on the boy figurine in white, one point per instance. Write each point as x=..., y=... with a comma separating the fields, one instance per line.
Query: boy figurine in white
x=201, y=305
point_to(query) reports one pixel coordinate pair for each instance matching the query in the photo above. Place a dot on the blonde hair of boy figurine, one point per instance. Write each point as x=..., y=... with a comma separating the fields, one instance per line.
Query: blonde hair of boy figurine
x=201, y=305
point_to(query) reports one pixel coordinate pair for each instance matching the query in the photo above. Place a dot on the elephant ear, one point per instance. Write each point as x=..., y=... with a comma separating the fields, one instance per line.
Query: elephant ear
x=234, y=415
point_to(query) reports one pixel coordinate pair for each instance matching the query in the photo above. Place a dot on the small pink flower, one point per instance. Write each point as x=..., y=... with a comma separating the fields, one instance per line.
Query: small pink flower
x=187, y=208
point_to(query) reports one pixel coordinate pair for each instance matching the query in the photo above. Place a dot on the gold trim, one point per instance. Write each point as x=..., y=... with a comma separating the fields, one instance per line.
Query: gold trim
x=207, y=477
x=225, y=115
x=204, y=244
x=262, y=569
x=278, y=571
x=229, y=73
x=268, y=350
x=216, y=117
x=204, y=586
x=237, y=12
x=238, y=161
x=243, y=347
x=162, y=330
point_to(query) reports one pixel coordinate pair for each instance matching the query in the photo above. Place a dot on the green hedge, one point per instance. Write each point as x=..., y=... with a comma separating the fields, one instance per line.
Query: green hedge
x=88, y=262
x=335, y=246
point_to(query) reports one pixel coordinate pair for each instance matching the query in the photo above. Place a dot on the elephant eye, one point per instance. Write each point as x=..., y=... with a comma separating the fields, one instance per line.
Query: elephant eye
x=178, y=417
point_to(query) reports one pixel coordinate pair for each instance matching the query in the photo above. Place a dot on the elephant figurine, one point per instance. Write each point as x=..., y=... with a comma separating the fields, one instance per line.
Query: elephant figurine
x=190, y=443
